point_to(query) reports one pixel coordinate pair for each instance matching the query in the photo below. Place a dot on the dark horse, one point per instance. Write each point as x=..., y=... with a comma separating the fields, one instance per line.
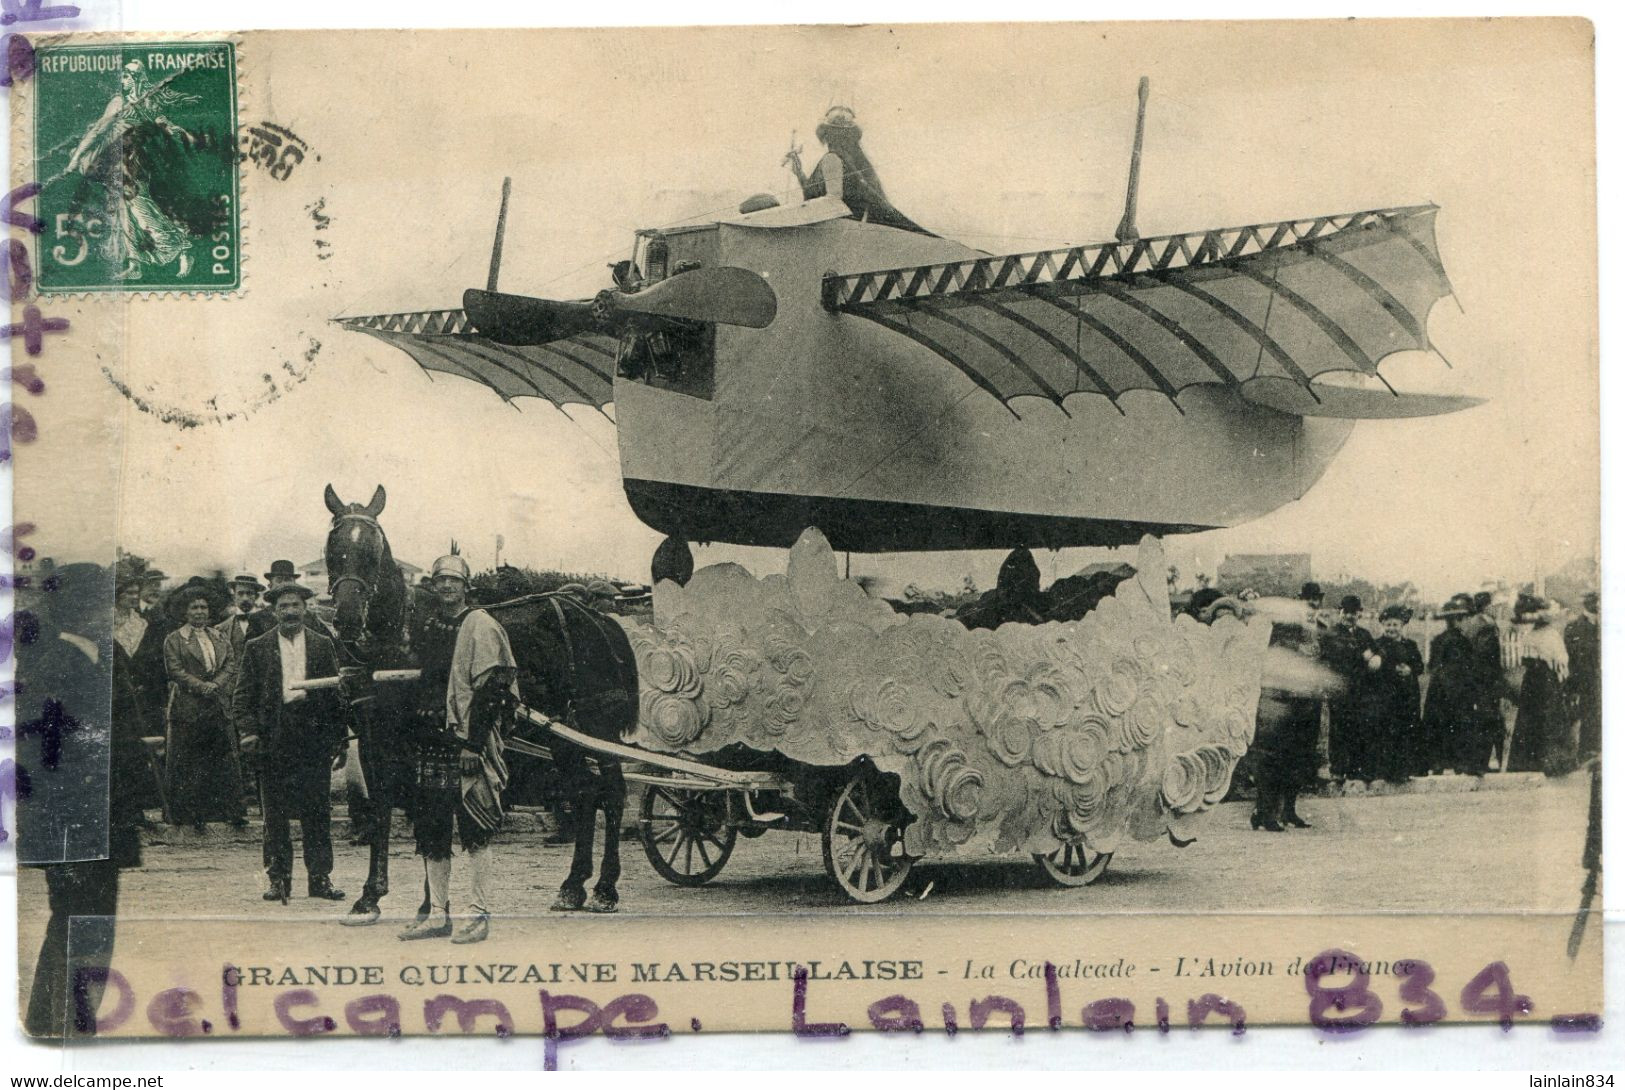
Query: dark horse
x=576, y=666
x=370, y=596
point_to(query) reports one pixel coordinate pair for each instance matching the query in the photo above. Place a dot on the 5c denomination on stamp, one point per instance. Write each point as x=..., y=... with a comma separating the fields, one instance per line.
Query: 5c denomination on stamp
x=136, y=156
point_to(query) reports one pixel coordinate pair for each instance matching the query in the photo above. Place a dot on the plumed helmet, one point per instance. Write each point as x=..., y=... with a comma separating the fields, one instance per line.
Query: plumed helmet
x=451, y=564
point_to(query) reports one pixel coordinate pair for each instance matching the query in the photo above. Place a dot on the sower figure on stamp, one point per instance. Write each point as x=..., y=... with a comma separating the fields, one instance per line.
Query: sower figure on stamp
x=301, y=739
x=145, y=233
x=203, y=777
x=449, y=776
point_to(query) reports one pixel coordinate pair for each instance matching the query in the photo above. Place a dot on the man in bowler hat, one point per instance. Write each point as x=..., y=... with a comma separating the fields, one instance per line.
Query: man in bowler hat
x=1351, y=651
x=263, y=620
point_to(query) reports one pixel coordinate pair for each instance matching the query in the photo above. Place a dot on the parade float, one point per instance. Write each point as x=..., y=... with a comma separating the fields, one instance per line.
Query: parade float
x=833, y=364
x=900, y=737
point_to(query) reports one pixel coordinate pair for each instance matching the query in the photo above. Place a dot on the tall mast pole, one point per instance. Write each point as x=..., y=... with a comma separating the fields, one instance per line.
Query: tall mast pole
x=1126, y=231
x=496, y=246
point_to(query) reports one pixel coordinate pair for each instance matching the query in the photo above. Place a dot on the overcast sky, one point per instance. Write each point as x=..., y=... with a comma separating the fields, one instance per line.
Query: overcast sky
x=1009, y=139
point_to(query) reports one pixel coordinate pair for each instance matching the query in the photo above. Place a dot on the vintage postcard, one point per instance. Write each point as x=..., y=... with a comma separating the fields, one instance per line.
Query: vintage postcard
x=1005, y=528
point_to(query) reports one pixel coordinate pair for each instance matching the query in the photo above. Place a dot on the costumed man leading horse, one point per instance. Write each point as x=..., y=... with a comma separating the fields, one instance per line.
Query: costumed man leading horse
x=434, y=747
x=466, y=691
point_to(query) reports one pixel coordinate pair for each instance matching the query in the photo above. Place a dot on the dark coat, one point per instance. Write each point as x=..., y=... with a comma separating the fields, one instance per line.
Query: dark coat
x=190, y=677
x=1357, y=710
x=230, y=631
x=1542, y=737
x=260, y=622
x=147, y=674
x=1288, y=734
x=317, y=729
x=1400, y=750
x=1451, y=719
x=73, y=723
x=202, y=765
x=1585, y=683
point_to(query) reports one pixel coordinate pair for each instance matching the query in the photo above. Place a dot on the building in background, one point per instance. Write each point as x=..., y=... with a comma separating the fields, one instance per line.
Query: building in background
x=314, y=573
x=1268, y=573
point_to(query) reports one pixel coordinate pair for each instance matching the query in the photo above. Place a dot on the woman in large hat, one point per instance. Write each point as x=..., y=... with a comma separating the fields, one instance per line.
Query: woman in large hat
x=845, y=172
x=1450, y=719
x=201, y=771
x=1543, y=738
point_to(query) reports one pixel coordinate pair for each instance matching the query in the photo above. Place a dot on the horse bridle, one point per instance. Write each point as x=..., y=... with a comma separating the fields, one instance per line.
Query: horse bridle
x=368, y=588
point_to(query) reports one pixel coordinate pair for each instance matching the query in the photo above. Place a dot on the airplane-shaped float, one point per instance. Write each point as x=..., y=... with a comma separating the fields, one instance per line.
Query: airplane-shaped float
x=813, y=365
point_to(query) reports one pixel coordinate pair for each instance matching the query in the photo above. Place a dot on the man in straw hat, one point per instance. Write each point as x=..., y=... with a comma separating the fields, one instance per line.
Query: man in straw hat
x=301, y=736
x=245, y=596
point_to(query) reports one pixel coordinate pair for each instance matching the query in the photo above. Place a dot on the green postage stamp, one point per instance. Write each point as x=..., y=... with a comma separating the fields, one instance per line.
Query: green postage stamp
x=136, y=156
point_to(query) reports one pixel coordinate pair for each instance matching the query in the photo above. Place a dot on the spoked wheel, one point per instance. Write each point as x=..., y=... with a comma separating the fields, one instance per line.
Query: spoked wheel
x=863, y=840
x=686, y=834
x=1073, y=864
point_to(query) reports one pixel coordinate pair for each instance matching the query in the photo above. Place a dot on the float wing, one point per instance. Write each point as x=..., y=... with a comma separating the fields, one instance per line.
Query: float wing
x=1283, y=302
x=577, y=370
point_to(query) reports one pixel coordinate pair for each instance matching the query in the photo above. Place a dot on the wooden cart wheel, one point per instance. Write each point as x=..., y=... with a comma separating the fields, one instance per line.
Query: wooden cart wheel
x=863, y=840
x=686, y=834
x=1073, y=864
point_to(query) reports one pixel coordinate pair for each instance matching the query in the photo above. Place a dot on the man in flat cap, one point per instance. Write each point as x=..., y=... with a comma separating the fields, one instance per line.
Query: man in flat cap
x=301, y=736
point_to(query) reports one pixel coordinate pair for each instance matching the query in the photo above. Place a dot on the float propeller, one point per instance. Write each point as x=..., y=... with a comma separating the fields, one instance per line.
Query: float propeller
x=725, y=295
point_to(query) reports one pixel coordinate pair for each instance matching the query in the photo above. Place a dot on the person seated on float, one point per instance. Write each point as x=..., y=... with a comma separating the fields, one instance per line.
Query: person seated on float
x=845, y=172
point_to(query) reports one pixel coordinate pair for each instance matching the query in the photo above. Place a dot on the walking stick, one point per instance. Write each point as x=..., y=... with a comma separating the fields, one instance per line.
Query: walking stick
x=1591, y=859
